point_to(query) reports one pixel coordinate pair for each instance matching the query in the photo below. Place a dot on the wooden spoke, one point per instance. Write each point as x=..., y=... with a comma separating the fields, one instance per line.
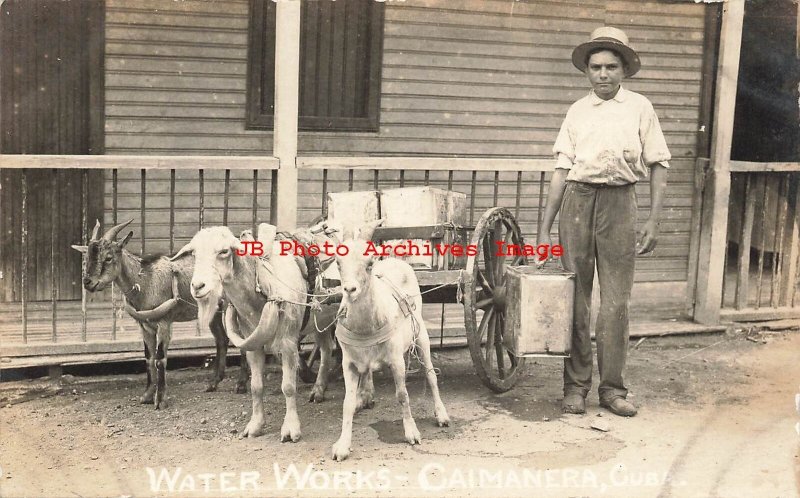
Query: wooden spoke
x=498, y=345
x=483, y=303
x=487, y=260
x=484, y=323
x=485, y=285
x=490, y=340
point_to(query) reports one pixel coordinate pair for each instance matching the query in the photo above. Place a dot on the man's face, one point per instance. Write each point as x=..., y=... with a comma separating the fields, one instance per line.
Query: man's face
x=605, y=71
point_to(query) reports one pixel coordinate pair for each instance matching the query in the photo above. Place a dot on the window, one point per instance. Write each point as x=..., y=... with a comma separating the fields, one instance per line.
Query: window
x=341, y=47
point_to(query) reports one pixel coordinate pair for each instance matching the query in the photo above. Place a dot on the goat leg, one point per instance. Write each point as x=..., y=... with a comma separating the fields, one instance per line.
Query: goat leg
x=163, y=337
x=424, y=344
x=366, y=391
x=149, y=338
x=221, y=343
x=341, y=448
x=290, y=430
x=398, y=367
x=244, y=376
x=255, y=427
x=325, y=342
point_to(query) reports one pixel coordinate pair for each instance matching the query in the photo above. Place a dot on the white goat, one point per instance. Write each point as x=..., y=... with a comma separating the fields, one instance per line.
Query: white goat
x=275, y=322
x=380, y=318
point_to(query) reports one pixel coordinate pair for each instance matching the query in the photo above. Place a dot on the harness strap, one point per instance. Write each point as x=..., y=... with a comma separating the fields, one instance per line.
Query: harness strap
x=159, y=311
x=347, y=336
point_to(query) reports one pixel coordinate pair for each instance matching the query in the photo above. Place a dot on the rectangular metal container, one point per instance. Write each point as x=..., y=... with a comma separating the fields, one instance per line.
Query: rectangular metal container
x=539, y=308
x=353, y=209
x=425, y=206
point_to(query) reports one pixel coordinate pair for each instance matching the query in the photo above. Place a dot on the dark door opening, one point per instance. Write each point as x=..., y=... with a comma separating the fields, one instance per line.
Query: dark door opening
x=51, y=102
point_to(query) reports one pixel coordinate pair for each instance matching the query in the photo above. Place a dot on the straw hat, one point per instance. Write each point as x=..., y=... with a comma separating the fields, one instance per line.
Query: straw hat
x=611, y=38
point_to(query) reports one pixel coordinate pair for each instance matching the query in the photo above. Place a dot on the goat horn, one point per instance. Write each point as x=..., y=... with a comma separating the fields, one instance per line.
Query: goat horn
x=189, y=247
x=111, y=234
x=96, y=230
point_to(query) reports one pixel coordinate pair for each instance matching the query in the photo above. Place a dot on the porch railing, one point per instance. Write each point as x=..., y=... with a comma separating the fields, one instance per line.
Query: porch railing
x=762, y=276
x=186, y=193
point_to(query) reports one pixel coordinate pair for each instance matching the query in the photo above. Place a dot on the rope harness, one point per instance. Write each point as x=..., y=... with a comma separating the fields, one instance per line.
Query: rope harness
x=159, y=311
x=407, y=307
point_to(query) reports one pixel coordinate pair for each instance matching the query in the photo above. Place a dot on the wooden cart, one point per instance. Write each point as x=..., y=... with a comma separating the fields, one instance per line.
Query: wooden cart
x=480, y=284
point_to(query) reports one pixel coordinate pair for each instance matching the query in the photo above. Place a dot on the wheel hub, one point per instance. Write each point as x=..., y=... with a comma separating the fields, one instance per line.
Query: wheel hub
x=499, y=298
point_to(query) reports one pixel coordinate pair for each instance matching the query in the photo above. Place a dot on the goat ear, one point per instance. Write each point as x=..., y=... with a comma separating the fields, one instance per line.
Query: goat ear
x=335, y=231
x=324, y=264
x=126, y=240
x=366, y=231
x=188, y=248
x=81, y=249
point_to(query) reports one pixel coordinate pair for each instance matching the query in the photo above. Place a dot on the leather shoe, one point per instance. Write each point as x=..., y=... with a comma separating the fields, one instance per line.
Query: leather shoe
x=619, y=406
x=573, y=403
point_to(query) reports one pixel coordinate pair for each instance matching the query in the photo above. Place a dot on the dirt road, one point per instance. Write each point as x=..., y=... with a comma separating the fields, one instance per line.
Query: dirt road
x=717, y=418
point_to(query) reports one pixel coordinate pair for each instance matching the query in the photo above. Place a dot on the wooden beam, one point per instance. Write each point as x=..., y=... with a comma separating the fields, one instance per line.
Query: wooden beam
x=745, y=239
x=137, y=162
x=711, y=33
x=754, y=167
x=713, y=243
x=756, y=315
x=791, y=250
x=287, y=93
x=426, y=163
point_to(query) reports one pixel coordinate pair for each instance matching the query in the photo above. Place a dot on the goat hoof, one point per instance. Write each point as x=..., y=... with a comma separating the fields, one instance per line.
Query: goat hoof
x=340, y=452
x=413, y=436
x=147, y=397
x=162, y=404
x=442, y=418
x=317, y=396
x=252, y=430
x=241, y=388
x=288, y=434
x=212, y=386
x=285, y=438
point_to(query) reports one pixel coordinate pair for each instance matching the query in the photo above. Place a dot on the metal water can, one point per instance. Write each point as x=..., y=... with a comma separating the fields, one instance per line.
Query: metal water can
x=539, y=308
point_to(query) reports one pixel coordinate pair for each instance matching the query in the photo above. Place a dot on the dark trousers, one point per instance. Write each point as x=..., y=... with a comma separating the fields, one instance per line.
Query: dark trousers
x=597, y=227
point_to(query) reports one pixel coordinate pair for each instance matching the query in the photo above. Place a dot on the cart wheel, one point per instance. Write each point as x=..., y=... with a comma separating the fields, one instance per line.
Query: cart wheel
x=485, y=300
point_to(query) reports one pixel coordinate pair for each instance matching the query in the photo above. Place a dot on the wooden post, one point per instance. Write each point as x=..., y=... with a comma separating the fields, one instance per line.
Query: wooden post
x=714, y=226
x=287, y=77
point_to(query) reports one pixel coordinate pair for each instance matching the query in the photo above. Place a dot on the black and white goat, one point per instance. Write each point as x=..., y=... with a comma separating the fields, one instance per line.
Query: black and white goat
x=157, y=293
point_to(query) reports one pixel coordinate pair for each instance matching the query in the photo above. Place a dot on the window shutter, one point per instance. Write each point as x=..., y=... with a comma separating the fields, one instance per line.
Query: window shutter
x=341, y=46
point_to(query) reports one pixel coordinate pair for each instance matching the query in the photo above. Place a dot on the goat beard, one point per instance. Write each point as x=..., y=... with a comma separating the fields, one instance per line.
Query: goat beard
x=207, y=307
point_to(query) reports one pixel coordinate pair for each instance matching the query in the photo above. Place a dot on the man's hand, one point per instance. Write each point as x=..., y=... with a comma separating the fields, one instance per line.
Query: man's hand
x=543, y=238
x=647, y=242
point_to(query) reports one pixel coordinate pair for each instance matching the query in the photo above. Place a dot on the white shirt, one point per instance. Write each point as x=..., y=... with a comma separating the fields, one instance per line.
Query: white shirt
x=610, y=141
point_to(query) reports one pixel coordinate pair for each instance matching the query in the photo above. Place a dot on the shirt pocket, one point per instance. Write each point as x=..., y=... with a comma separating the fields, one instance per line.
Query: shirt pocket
x=631, y=154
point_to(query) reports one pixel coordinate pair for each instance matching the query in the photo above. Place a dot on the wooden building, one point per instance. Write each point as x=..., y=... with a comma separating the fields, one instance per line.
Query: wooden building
x=167, y=108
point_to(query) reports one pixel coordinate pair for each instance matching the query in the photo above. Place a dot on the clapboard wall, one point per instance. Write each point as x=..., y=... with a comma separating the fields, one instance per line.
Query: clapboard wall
x=460, y=77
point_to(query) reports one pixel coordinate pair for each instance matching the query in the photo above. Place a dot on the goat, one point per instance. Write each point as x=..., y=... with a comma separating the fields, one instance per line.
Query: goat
x=157, y=294
x=380, y=319
x=222, y=269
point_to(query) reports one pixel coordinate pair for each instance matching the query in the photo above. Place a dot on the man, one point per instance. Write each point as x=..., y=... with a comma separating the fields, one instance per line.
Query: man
x=608, y=141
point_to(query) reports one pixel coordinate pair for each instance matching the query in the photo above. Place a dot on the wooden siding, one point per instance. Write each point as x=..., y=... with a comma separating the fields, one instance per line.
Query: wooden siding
x=473, y=77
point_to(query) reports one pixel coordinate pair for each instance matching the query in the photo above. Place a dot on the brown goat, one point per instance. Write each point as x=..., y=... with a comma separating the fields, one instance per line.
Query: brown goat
x=157, y=294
